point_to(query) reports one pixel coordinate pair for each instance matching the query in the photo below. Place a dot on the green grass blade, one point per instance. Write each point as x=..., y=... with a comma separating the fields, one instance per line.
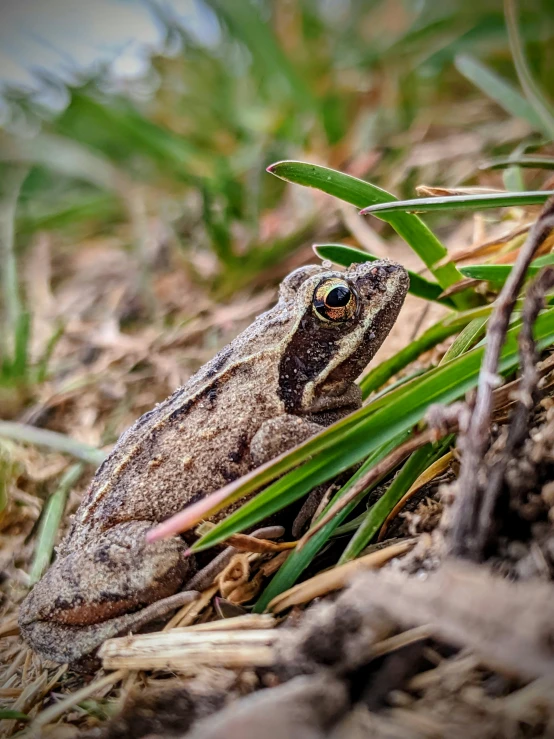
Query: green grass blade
x=7, y=471
x=64, y=156
x=244, y=21
x=525, y=160
x=497, y=274
x=297, y=562
x=7, y=714
x=351, y=440
x=499, y=90
x=359, y=193
x=467, y=338
x=512, y=179
x=97, y=207
x=399, y=381
x=121, y=129
x=50, y=522
x=461, y=202
x=10, y=298
x=377, y=514
x=44, y=362
x=21, y=347
x=532, y=91
x=347, y=255
x=53, y=440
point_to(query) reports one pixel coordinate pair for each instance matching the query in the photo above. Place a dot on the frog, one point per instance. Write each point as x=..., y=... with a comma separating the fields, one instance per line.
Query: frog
x=286, y=377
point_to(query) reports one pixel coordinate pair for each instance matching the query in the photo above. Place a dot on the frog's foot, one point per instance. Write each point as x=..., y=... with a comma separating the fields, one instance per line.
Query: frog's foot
x=62, y=643
x=114, y=575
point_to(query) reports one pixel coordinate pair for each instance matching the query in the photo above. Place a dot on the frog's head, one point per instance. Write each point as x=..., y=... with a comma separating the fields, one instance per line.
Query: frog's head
x=342, y=319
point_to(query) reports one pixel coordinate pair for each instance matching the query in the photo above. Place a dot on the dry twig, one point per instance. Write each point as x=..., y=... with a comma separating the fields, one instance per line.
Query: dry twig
x=188, y=651
x=466, y=536
x=206, y=576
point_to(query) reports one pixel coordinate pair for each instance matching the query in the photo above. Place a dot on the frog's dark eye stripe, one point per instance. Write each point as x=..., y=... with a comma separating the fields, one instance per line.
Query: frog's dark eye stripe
x=334, y=300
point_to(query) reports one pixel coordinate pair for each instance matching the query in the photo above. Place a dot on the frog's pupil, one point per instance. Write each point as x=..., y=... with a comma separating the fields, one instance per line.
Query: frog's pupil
x=338, y=297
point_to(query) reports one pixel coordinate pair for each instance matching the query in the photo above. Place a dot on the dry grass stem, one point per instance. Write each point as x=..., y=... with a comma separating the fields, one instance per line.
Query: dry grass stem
x=398, y=641
x=238, y=623
x=180, y=649
x=338, y=577
x=54, y=712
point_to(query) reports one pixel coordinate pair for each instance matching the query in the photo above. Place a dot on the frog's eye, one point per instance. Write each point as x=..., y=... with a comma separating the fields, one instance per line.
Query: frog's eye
x=334, y=300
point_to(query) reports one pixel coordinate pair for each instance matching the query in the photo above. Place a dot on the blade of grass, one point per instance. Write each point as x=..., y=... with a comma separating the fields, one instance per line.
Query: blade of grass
x=400, y=381
x=21, y=347
x=532, y=91
x=8, y=714
x=497, y=274
x=53, y=440
x=297, y=562
x=127, y=133
x=50, y=522
x=380, y=399
x=525, y=160
x=461, y=202
x=359, y=193
x=102, y=206
x=347, y=255
x=499, y=90
x=430, y=474
x=65, y=156
x=43, y=364
x=7, y=470
x=512, y=179
x=467, y=338
x=377, y=514
x=8, y=264
x=244, y=21
x=349, y=441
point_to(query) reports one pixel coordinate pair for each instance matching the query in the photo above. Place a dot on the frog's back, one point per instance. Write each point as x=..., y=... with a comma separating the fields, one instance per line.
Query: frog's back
x=194, y=442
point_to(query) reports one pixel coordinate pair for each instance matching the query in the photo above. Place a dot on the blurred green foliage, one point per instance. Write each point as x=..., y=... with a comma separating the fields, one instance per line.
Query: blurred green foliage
x=331, y=79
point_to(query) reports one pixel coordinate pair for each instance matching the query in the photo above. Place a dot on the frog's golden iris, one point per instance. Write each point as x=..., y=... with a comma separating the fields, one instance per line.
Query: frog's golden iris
x=335, y=300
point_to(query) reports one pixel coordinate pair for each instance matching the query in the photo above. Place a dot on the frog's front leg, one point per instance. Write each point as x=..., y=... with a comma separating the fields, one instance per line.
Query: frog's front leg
x=101, y=590
x=278, y=435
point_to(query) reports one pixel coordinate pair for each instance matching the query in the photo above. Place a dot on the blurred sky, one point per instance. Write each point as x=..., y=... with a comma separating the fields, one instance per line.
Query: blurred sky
x=62, y=35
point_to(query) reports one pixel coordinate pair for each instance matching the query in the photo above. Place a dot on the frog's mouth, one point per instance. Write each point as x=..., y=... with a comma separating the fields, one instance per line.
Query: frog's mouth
x=341, y=394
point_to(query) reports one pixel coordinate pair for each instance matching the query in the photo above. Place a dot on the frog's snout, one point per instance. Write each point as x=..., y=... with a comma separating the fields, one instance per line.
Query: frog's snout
x=381, y=276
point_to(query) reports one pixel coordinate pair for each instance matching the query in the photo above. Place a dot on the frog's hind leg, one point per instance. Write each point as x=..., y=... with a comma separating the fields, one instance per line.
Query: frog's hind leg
x=62, y=643
x=87, y=594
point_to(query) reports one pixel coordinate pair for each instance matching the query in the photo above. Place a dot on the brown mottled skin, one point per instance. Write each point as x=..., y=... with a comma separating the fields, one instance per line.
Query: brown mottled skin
x=287, y=375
